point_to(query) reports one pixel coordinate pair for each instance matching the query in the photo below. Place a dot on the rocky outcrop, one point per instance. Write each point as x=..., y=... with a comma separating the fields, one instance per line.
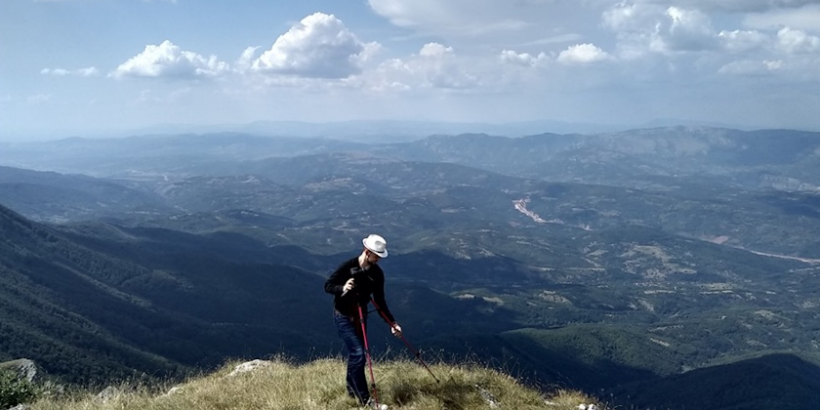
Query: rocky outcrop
x=25, y=368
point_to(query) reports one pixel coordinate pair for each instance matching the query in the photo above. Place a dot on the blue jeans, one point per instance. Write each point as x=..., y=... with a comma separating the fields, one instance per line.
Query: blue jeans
x=351, y=333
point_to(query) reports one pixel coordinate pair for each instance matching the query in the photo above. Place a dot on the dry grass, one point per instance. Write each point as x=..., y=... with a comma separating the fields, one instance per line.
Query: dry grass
x=320, y=385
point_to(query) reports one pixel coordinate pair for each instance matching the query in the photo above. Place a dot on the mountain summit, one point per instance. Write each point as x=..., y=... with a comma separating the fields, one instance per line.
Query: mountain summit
x=279, y=385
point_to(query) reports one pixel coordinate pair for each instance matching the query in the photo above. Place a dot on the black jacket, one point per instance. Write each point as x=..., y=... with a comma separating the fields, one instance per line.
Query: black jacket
x=368, y=282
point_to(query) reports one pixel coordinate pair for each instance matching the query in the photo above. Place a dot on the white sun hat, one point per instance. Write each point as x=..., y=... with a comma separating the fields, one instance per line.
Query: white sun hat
x=376, y=244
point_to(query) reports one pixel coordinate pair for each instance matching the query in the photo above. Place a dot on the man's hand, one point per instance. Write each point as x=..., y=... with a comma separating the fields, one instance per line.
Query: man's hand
x=396, y=329
x=349, y=285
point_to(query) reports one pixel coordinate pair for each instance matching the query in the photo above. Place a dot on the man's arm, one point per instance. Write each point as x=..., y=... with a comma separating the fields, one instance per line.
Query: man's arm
x=378, y=297
x=336, y=281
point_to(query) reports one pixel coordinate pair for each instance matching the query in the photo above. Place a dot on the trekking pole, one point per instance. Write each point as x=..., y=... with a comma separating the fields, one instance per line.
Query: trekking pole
x=367, y=353
x=409, y=346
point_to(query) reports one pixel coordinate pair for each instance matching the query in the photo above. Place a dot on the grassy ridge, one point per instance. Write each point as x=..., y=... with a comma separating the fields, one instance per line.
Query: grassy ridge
x=280, y=385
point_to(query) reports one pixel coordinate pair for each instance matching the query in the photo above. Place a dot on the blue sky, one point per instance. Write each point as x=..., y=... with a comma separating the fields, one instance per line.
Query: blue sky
x=74, y=66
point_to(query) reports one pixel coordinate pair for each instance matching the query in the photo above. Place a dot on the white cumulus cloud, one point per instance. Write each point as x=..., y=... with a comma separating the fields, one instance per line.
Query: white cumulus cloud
x=635, y=17
x=319, y=46
x=435, y=50
x=582, y=54
x=734, y=5
x=62, y=72
x=434, y=67
x=245, y=60
x=441, y=69
x=648, y=28
x=59, y=72
x=686, y=30
x=741, y=41
x=87, y=72
x=751, y=67
x=169, y=61
x=797, y=41
x=524, y=59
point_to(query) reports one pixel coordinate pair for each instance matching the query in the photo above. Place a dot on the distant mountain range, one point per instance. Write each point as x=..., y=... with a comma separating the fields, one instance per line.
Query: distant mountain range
x=371, y=131
x=643, y=158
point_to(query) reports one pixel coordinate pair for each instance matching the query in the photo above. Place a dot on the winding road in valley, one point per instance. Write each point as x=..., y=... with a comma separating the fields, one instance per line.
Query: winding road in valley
x=521, y=206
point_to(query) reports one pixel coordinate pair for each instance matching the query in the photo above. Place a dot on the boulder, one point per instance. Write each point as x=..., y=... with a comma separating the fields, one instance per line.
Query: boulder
x=249, y=366
x=25, y=368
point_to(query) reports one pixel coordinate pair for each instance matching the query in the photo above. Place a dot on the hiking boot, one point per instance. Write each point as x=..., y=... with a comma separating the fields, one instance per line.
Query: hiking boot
x=371, y=405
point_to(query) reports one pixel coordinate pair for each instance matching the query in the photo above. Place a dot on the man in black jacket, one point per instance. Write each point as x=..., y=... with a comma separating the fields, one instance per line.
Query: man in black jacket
x=352, y=283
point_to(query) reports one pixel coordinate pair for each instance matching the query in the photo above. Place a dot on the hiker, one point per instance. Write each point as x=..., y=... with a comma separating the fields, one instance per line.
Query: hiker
x=352, y=283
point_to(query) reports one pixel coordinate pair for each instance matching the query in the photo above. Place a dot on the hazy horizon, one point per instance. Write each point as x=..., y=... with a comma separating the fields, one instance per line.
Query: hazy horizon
x=367, y=130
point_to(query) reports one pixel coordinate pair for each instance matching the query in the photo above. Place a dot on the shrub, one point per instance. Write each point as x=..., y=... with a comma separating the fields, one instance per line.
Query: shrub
x=14, y=389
